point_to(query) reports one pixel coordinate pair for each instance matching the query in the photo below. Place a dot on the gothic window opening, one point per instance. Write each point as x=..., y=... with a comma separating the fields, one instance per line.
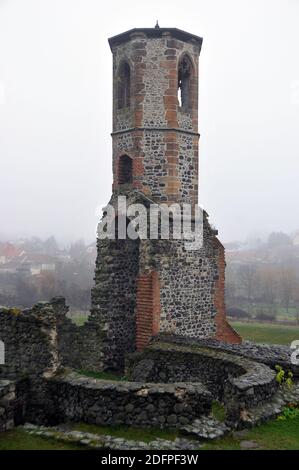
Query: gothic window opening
x=125, y=170
x=124, y=86
x=184, y=83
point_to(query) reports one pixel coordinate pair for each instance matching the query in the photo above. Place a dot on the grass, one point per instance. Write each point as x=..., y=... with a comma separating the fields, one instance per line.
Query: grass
x=128, y=432
x=101, y=375
x=266, y=333
x=18, y=439
x=218, y=411
x=79, y=320
x=279, y=311
x=275, y=435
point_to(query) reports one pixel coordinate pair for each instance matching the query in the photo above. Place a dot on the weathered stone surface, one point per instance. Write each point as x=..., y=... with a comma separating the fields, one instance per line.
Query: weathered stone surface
x=248, y=445
x=206, y=427
x=7, y=401
x=96, y=401
x=146, y=286
x=240, y=383
x=95, y=441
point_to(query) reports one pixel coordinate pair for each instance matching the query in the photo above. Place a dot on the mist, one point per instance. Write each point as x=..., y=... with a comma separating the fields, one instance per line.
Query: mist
x=56, y=105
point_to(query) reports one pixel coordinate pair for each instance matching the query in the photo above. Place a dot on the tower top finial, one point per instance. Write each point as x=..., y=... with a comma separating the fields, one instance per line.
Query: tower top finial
x=157, y=25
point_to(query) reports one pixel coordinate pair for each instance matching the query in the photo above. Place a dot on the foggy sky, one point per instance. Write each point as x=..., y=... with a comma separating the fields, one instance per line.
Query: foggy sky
x=55, y=111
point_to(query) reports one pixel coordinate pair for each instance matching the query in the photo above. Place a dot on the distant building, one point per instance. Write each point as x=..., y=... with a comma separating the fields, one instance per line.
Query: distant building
x=9, y=252
x=38, y=263
x=296, y=239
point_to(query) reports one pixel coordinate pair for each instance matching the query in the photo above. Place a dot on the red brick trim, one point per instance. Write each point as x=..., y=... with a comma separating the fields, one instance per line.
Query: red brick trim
x=148, y=309
x=224, y=331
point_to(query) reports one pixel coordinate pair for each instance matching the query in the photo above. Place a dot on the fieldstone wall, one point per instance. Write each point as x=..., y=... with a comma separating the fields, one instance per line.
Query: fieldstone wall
x=143, y=287
x=160, y=136
x=101, y=402
x=187, y=280
x=30, y=338
x=269, y=354
x=172, y=381
x=114, y=298
x=238, y=382
x=31, y=354
x=7, y=398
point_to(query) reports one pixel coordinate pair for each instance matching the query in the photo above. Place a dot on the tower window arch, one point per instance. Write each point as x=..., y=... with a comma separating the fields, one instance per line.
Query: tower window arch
x=124, y=86
x=184, y=83
x=125, y=170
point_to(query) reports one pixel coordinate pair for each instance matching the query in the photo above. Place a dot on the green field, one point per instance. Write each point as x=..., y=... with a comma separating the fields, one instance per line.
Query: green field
x=266, y=332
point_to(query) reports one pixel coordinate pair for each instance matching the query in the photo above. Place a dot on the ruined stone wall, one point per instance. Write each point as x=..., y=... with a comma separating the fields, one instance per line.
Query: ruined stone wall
x=143, y=287
x=30, y=338
x=187, y=280
x=239, y=382
x=7, y=398
x=114, y=298
x=31, y=354
x=140, y=404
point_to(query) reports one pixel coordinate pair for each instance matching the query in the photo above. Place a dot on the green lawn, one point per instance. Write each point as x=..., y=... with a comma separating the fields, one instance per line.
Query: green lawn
x=275, y=435
x=280, y=312
x=18, y=439
x=101, y=375
x=266, y=333
x=128, y=432
x=79, y=320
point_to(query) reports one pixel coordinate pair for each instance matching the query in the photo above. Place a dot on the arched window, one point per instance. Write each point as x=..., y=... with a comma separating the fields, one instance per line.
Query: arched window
x=125, y=170
x=184, y=83
x=124, y=85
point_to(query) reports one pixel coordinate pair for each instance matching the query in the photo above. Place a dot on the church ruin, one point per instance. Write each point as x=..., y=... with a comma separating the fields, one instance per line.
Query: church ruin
x=158, y=308
x=146, y=287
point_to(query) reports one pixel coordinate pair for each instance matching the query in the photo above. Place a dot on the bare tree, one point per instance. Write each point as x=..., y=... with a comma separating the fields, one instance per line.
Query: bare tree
x=296, y=301
x=287, y=283
x=248, y=279
x=268, y=278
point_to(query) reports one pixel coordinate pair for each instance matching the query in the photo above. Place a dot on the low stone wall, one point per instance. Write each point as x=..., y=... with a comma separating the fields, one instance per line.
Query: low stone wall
x=30, y=339
x=7, y=399
x=101, y=402
x=238, y=382
x=80, y=347
x=40, y=340
x=269, y=354
x=31, y=355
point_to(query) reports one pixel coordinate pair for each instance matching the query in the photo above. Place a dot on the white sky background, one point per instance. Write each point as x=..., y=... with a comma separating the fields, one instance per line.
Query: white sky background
x=55, y=111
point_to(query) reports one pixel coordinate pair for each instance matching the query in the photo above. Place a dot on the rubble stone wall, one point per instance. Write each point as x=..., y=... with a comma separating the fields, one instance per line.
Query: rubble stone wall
x=239, y=382
x=140, y=404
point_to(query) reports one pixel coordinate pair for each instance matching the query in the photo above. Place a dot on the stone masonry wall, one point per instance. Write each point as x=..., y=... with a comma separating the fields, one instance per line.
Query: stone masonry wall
x=100, y=402
x=224, y=332
x=30, y=338
x=149, y=286
x=7, y=398
x=238, y=382
x=31, y=355
x=114, y=298
x=160, y=137
x=187, y=280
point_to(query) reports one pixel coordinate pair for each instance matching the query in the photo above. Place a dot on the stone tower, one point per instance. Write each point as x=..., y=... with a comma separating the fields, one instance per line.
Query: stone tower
x=144, y=287
x=155, y=112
